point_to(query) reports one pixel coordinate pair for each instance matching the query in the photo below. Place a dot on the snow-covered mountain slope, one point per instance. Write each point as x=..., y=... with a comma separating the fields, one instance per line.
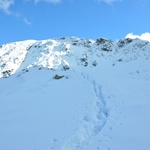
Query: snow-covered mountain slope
x=75, y=94
x=65, y=53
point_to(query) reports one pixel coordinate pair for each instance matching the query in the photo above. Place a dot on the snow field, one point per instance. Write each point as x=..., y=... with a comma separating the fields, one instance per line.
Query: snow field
x=100, y=102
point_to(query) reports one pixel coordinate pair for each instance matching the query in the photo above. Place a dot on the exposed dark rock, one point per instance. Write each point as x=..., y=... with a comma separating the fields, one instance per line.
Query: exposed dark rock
x=57, y=77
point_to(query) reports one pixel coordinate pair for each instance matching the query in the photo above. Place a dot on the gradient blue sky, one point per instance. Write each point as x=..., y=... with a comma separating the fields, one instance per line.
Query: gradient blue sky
x=43, y=19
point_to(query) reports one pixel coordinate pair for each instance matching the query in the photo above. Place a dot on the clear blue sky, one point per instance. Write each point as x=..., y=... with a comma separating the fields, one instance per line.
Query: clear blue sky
x=43, y=19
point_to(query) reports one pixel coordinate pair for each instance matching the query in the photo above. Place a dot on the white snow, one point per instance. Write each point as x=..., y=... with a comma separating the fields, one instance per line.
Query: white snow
x=100, y=102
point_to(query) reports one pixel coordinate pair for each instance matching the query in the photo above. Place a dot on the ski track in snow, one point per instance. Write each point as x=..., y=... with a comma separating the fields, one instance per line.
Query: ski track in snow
x=91, y=125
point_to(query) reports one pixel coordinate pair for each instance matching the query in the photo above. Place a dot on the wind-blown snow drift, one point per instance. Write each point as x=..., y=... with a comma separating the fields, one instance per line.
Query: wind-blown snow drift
x=72, y=94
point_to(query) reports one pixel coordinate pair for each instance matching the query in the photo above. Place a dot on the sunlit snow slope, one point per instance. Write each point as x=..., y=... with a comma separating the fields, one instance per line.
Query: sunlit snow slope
x=75, y=94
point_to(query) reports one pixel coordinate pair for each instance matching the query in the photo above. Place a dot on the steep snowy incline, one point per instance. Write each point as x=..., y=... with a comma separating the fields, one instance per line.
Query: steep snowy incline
x=75, y=94
x=12, y=55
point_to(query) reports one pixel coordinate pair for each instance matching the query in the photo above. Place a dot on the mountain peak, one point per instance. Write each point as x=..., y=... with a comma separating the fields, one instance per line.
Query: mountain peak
x=67, y=52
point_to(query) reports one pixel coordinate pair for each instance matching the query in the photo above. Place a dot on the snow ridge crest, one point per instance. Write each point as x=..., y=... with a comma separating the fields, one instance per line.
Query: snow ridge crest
x=68, y=53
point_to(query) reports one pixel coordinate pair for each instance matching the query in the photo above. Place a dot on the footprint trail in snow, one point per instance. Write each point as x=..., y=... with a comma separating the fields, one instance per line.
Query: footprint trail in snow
x=93, y=122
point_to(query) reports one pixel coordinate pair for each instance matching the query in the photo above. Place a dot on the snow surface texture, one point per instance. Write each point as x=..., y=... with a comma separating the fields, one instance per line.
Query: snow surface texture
x=75, y=94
